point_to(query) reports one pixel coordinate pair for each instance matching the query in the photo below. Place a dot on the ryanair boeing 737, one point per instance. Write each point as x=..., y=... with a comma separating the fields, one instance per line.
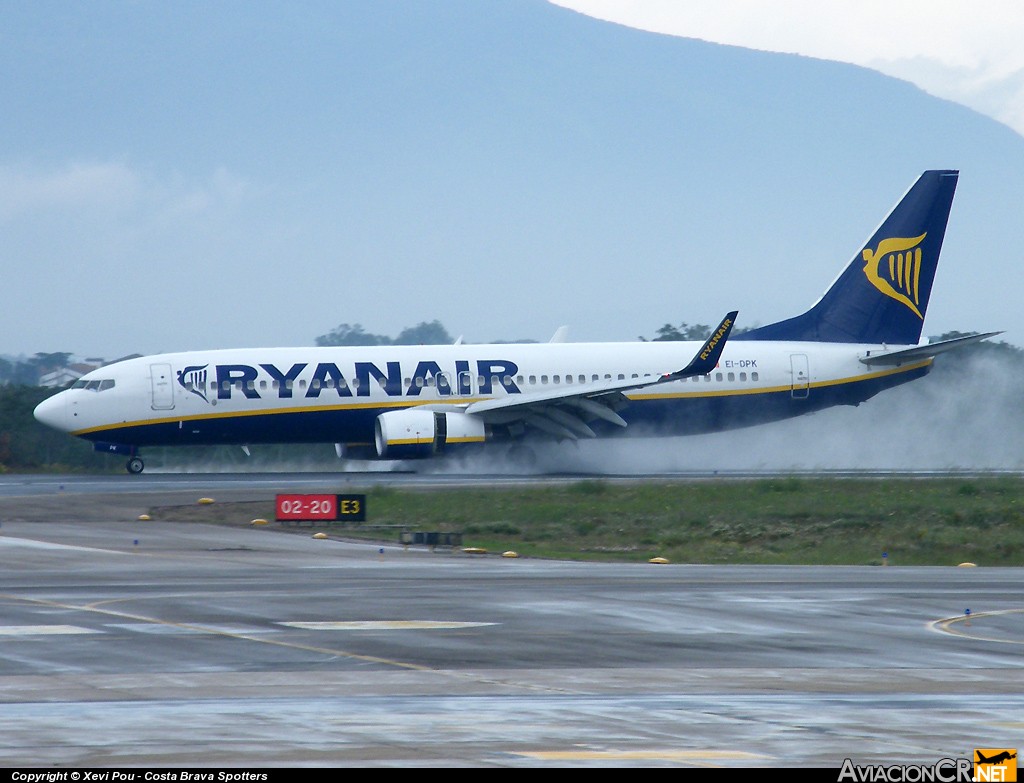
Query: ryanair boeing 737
x=404, y=402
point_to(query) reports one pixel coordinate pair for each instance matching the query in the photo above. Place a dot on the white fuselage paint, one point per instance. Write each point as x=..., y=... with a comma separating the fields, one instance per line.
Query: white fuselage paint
x=141, y=395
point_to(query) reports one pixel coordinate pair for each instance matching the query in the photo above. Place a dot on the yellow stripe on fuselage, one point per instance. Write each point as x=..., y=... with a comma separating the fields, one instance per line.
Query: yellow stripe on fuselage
x=640, y=396
x=635, y=396
x=267, y=412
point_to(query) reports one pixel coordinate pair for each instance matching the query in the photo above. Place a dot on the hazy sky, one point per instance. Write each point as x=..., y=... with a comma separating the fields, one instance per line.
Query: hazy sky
x=190, y=175
x=967, y=52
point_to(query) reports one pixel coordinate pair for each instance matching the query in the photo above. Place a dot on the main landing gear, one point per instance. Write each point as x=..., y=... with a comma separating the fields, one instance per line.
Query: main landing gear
x=135, y=465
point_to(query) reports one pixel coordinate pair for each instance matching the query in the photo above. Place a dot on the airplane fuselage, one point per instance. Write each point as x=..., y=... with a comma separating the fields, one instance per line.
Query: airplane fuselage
x=312, y=395
x=861, y=337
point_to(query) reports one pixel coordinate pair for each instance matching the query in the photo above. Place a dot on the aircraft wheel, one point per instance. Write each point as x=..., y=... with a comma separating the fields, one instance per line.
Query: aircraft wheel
x=135, y=465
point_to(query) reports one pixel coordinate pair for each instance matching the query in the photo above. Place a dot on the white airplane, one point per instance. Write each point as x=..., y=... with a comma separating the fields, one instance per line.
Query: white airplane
x=405, y=402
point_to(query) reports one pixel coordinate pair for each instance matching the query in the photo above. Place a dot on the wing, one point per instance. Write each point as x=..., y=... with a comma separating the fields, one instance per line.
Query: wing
x=564, y=412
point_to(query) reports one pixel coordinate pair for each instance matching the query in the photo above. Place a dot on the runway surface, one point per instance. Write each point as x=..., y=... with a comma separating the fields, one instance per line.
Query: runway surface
x=134, y=643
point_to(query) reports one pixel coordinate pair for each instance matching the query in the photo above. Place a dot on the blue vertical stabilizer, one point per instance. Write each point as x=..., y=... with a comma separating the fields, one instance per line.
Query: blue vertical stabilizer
x=882, y=295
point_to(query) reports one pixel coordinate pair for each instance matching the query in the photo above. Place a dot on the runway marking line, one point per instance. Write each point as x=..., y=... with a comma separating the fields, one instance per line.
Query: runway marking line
x=383, y=625
x=946, y=626
x=691, y=756
x=31, y=543
x=42, y=630
x=451, y=674
x=216, y=632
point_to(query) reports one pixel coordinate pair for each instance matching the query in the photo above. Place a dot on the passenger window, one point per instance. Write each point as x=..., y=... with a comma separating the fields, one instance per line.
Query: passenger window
x=533, y=380
x=554, y=379
x=753, y=376
x=732, y=377
x=543, y=379
x=718, y=376
x=743, y=376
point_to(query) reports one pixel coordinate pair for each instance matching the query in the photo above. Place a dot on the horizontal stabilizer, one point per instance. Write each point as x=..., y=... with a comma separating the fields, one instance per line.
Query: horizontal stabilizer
x=895, y=358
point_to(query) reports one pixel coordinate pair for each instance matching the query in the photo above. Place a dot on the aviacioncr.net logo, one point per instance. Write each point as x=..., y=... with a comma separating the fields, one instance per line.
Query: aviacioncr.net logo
x=995, y=764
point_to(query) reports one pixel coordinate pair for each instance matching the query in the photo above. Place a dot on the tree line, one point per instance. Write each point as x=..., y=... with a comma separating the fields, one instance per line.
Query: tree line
x=29, y=371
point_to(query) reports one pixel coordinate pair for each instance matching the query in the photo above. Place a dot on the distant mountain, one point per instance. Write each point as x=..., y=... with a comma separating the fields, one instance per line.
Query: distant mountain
x=501, y=167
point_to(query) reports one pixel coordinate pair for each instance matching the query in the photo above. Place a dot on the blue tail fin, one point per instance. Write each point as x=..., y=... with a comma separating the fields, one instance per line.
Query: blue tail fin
x=881, y=297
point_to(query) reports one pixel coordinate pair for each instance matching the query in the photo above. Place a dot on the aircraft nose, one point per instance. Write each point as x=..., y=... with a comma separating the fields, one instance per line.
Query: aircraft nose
x=53, y=412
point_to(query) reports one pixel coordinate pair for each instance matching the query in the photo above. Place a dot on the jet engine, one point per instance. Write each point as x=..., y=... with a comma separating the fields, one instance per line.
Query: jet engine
x=418, y=433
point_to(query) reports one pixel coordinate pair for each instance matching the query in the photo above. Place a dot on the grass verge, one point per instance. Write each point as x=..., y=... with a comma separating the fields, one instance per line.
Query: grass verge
x=784, y=520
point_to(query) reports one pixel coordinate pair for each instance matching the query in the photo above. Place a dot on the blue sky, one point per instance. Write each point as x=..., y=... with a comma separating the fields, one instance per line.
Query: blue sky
x=195, y=175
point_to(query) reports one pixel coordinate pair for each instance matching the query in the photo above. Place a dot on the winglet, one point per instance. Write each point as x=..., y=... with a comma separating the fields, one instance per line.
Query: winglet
x=707, y=357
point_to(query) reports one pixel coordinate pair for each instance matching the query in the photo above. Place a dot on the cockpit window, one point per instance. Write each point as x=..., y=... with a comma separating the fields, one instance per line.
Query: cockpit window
x=94, y=385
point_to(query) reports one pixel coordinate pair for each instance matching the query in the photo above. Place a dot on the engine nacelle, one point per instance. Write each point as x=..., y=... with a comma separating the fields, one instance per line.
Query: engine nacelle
x=418, y=433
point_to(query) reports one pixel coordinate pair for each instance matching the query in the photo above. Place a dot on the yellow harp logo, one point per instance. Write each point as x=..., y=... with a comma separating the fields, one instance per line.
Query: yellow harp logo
x=894, y=268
